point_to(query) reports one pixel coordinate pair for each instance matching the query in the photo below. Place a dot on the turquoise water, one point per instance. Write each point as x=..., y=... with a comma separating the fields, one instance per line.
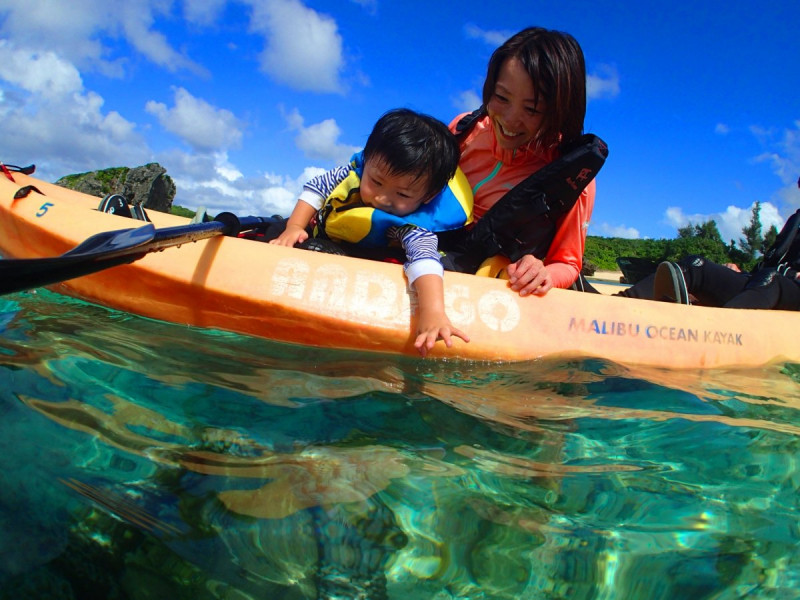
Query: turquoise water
x=147, y=460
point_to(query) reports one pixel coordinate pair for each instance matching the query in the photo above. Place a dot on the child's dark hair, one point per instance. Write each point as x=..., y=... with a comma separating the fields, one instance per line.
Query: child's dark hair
x=411, y=143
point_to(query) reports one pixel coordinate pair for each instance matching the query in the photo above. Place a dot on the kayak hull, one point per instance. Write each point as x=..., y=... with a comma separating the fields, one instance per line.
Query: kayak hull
x=323, y=300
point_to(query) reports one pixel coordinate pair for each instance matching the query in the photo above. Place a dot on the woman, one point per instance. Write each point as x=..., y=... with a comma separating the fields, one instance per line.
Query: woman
x=534, y=102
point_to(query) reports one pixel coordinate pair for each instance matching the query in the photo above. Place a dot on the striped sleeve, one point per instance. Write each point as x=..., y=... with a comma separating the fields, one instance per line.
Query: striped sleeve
x=323, y=185
x=422, y=251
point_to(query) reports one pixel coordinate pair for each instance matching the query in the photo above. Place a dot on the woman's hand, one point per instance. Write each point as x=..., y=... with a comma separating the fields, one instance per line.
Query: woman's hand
x=529, y=276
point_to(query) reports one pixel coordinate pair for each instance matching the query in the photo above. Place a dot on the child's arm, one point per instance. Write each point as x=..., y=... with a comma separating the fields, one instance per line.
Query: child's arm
x=433, y=323
x=295, y=231
x=424, y=271
x=314, y=193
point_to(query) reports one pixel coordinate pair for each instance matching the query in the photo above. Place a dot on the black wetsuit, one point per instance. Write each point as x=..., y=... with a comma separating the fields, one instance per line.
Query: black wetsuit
x=713, y=284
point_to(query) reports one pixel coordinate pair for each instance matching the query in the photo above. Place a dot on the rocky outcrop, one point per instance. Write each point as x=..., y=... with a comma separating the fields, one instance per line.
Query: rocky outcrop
x=148, y=185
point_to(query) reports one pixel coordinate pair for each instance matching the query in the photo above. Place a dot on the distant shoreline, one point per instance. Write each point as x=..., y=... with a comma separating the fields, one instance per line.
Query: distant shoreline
x=607, y=276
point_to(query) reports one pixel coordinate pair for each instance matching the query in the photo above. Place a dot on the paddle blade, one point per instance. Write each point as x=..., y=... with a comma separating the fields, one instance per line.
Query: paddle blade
x=99, y=252
x=112, y=248
x=110, y=242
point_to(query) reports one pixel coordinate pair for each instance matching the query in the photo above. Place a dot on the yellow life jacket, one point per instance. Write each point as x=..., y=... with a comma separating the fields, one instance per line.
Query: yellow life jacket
x=344, y=217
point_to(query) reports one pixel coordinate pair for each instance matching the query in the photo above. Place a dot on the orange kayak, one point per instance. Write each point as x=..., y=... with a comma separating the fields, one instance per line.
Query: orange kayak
x=311, y=298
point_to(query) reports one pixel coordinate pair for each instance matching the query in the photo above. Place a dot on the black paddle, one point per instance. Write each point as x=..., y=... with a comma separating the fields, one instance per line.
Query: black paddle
x=112, y=248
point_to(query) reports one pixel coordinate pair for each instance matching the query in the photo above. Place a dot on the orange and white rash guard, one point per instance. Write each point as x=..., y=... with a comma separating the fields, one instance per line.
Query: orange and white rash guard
x=492, y=171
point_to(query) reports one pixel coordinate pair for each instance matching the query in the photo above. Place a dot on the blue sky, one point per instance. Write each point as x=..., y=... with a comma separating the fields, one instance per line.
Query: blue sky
x=242, y=101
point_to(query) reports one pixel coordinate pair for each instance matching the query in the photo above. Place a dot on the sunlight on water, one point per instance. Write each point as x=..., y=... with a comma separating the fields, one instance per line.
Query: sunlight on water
x=146, y=460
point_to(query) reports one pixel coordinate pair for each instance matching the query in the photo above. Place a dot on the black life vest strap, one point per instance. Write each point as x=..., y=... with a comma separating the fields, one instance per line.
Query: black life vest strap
x=523, y=220
x=467, y=122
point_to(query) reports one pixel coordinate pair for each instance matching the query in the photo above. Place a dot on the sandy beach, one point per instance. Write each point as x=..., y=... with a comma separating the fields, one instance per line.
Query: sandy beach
x=607, y=276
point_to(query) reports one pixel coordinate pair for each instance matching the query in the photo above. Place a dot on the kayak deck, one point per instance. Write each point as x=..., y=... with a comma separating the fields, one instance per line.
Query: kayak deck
x=317, y=299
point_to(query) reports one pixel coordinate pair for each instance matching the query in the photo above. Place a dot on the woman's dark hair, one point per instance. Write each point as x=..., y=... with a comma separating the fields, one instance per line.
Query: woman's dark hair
x=554, y=60
x=411, y=143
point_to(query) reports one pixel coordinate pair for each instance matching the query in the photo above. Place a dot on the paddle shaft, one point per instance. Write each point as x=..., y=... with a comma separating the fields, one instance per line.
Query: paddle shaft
x=223, y=224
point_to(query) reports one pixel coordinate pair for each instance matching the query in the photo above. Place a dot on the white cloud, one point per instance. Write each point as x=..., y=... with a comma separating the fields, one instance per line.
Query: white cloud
x=136, y=21
x=203, y=12
x=722, y=129
x=490, y=37
x=50, y=119
x=371, y=6
x=603, y=83
x=783, y=154
x=212, y=182
x=83, y=32
x=198, y=123
x=467, y=101
x=730, y=222
x=303, y=47
x=608, y=230
x=38, y=72
x=320, y=140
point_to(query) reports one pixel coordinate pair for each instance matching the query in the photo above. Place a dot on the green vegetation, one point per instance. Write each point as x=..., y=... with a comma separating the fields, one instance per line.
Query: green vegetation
x=109, y=177
x=70, y=181
x=181, y=211
x=109, y=180
x=705, y=239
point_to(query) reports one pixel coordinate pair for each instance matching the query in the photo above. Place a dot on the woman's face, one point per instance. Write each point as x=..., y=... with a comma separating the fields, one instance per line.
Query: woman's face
x=512, y=107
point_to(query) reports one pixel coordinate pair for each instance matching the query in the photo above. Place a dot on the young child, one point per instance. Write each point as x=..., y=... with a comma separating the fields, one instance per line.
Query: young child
x=401, y=189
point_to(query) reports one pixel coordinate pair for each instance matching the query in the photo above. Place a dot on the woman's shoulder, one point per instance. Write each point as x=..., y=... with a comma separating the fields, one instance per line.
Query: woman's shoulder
x=472, y=122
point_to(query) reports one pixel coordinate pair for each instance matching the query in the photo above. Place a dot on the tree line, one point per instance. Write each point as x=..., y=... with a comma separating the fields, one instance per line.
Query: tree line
x=601, y=253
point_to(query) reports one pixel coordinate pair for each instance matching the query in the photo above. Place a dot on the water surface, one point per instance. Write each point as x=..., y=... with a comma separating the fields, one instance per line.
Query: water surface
x=148, y=460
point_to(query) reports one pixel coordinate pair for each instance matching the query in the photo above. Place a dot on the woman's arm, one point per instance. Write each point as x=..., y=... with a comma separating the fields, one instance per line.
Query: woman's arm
x=562, y=265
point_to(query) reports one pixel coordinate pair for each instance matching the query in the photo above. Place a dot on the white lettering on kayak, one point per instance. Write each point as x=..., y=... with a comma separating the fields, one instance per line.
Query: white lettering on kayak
x=289, y=278
x=370, y=295
x=457, y=305
x=375, y=295
x=329, y=288
x=499, y=311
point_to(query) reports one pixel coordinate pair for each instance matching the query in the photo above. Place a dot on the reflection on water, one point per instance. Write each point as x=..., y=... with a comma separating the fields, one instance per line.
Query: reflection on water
x=146, y=460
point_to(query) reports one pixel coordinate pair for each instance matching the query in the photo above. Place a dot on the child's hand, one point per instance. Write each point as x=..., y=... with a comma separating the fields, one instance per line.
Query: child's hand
x=292, y=235
x=436, y=327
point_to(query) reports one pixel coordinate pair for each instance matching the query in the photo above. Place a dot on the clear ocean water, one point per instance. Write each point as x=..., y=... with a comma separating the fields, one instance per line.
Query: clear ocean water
x=144, y=460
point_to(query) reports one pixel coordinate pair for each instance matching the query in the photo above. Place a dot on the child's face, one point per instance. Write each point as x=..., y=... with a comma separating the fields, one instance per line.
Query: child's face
x=395, y=194
x=513, y=109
